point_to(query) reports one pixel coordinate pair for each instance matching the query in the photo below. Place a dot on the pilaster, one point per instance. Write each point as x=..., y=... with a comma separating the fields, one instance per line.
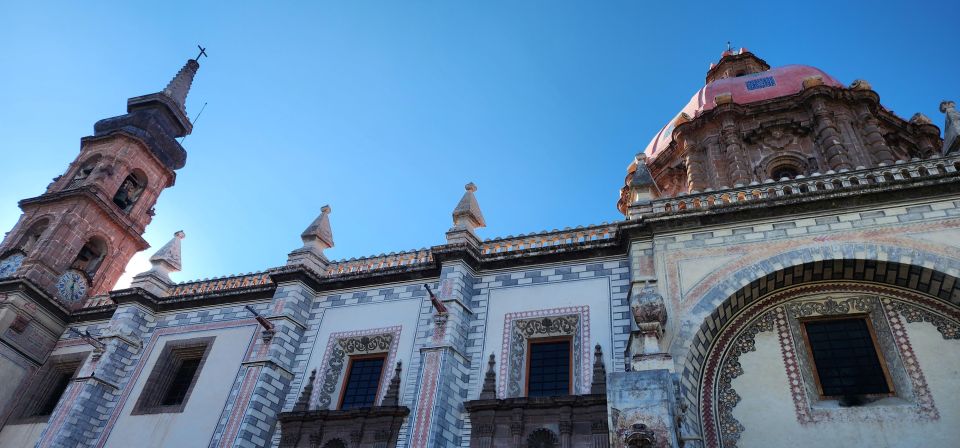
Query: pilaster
x=251, y=418
x=91, y=398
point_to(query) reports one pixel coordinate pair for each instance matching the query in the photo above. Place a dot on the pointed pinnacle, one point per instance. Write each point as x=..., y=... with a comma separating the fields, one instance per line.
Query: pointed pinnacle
x=179, y=86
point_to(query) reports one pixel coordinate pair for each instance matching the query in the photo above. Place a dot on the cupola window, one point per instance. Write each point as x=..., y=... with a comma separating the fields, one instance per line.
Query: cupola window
x=784, y=171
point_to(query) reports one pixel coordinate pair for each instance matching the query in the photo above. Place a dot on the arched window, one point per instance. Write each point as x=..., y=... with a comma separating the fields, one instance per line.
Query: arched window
x=85, y=170
x=130, y=190
x=781, y=171
x=542, y=438
x=90, y=257
x=30, y=239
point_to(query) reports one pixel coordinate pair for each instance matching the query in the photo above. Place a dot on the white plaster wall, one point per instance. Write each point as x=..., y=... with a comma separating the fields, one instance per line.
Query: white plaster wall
x=767, y=414
x=27, y=434
x=592, y=292
x=195, y=425
x=404, y=313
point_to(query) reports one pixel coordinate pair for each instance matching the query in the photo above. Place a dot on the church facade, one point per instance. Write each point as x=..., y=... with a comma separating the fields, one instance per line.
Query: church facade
x=786, y=270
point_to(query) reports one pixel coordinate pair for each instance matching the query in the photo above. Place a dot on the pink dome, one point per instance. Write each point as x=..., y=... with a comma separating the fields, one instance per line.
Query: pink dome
x=773, y=83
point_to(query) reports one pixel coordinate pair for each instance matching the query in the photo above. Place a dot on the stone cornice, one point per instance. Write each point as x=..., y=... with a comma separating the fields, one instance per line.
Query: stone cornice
x=351, y=414
x=32, y=291
x=89, y=192
x=508, y=404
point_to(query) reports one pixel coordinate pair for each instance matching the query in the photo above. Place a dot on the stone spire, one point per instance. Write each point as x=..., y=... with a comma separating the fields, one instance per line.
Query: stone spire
x=466, y=218
x=178, y=87
x=643, y=189
x=467, y=215
x=599, y=384
x=951, y=127
x=167, y=258
x=164, y=261
x=303, y=403
x=392, y=397
x=489, y=390
x=171, y=103
x=316, y=238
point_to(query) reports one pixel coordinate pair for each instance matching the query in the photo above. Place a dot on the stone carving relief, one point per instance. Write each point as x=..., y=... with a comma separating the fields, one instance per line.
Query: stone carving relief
x=343, y=345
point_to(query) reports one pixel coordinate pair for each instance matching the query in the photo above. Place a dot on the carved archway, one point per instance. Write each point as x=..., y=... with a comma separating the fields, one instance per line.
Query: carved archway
x=906, y=292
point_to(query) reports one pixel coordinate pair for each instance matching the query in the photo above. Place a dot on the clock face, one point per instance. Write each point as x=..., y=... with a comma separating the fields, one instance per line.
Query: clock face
x=10, y=265
x=72, y=286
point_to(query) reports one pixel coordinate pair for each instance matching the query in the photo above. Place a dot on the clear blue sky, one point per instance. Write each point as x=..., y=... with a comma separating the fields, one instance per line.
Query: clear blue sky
x=386, y=109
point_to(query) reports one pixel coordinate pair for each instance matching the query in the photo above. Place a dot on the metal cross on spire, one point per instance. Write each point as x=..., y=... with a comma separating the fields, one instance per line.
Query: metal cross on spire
x=203, y=52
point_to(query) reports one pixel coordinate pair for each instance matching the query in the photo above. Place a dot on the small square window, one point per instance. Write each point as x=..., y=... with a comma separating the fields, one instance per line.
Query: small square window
x=549, y=368
x=174, y=376
x=846, y=359
x=363, y=382
x=48, y=386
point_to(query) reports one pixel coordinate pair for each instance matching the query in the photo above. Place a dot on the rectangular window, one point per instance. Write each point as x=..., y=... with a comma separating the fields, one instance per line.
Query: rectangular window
x=174, y=376
x=363, y=382
x=549, y=368
x=846, y=359
x=50, y=383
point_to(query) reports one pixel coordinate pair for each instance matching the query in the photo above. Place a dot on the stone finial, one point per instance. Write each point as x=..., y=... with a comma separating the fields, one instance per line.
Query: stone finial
x=316, y=238
x=303, y=403
x=467, y=215
x=599, y=384
x=318, y=233
x=919, y=118
x=167, y=258
x=951, y=127
x=392, y=397
x=489, y=390
x=860, y=84
x=643, y=189
x=178, y=87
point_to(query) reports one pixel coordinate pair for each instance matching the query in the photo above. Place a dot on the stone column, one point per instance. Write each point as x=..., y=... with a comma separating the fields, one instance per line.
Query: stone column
x=740, y=168
x=696, y=171
x=92, y=396
x=828, y=138
x=874, y=139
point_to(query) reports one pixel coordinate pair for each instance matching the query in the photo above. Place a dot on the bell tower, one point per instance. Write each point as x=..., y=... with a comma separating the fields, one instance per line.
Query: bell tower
x=74, y=240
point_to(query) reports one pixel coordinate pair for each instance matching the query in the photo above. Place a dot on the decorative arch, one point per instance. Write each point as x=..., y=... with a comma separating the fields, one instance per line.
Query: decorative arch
x=543, y=438
x=788, y=160
x=915, y=292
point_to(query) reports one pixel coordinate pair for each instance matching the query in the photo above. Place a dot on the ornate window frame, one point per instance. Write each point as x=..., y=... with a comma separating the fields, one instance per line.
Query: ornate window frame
x=345, y=344
x=520, y=327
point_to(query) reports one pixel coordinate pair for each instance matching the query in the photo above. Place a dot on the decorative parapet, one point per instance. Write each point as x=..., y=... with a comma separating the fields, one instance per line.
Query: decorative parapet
x=814, y=186
x=381, y=262
x=221, y=284
x=546, y=240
